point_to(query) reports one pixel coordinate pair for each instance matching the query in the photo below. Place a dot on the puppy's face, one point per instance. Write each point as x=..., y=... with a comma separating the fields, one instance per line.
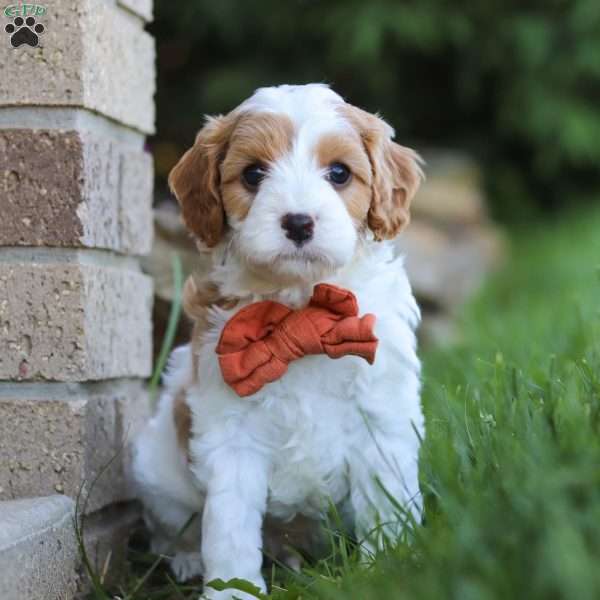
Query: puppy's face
x=295, y=180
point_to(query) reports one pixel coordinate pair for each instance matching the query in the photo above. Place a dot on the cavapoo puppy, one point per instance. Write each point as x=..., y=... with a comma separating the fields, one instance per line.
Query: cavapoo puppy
x=300, y=386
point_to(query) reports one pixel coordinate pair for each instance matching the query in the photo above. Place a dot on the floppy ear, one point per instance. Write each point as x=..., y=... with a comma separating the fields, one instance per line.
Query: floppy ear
x=195, y=181
x=396, y=175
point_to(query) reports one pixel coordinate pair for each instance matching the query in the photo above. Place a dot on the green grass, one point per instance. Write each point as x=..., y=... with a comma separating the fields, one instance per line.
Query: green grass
x=511, y=464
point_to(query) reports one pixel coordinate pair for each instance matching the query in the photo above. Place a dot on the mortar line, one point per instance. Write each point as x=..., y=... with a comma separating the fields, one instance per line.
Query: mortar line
x=65, y=117
x=43, y=390
x=77, y=256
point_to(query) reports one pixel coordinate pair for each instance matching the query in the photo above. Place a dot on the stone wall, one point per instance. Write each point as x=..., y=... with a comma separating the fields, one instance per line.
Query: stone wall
x=75, y=308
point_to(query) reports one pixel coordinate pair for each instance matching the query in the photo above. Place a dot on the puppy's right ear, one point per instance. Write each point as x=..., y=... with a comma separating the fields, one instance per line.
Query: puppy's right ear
x=195, y=181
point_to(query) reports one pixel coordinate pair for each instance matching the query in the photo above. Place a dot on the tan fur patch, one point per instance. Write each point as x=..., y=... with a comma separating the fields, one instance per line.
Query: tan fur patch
x=357, y=197
x=195, y=180
x=182, y=417
x=198, y=295
x=396, y=173
x=259, y=138
x=348, y=149
x=237, y=200
x=206, y=181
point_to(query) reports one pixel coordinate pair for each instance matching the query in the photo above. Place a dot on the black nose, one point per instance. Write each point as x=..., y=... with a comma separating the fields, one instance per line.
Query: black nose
x=298, y=226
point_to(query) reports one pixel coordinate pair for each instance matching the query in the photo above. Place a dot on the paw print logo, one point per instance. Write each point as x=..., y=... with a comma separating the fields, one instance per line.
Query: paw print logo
x=24, y=31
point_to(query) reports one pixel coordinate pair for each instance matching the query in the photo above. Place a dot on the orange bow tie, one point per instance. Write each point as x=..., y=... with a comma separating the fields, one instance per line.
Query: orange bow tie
x=259, y=342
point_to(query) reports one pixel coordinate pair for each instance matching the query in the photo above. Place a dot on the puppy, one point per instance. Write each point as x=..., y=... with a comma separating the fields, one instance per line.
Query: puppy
x=294, y=187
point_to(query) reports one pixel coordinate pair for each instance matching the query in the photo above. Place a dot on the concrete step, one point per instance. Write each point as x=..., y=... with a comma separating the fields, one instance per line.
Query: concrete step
x=39, y=557
x=38, y=552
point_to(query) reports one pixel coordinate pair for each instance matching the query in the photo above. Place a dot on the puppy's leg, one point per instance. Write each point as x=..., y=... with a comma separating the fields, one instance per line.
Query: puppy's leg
x=165, y=485
x=385, y=494
x=236, y=497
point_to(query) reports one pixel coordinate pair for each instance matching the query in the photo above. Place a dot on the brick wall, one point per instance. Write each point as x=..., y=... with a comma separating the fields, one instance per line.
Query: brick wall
x=75, y=331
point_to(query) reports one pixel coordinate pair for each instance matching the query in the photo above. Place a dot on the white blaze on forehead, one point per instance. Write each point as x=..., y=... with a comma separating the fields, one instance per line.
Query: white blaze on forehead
x=313, y=106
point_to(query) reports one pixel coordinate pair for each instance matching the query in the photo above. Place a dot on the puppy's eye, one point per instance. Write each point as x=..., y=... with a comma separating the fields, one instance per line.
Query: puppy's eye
x=338, y=174
x=253, y=175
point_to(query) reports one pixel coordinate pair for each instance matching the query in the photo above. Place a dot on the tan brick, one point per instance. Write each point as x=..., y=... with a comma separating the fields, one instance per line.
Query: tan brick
x=59, y=440
x=73, y=322
x=135, y=207
x=71, y=188
x=92, y=54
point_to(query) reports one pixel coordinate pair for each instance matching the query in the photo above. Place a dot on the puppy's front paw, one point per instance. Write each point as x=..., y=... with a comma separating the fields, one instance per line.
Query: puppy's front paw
x=210, y=594
x=186, y=565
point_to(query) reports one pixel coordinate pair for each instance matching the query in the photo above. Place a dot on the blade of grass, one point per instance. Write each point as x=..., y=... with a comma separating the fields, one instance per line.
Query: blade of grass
x=79, y=517
x=172, y=323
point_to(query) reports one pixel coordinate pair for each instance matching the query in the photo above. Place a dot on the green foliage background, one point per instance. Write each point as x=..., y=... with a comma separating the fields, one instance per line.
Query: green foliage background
x=514, y=82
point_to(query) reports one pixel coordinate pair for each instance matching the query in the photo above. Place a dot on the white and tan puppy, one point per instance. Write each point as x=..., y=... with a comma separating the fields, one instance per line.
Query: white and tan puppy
x=292, y=188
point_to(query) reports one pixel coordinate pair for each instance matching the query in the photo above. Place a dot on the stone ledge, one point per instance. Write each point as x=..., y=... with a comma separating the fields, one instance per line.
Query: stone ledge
x=73, y=322
x=38, y=553
x=92, y=54
x=39, y=557
x=74, y=188
x=59, y=440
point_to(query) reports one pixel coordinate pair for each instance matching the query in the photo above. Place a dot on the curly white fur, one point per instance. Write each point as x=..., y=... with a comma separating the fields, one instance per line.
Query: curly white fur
x=338, y=431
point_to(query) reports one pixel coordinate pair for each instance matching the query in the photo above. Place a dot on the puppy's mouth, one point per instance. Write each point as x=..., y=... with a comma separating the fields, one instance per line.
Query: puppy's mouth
x=303, y=256
x=301, y=264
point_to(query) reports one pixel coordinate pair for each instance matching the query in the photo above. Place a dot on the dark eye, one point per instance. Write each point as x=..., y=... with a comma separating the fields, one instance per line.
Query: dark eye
x=253, y=175
x=338, y=174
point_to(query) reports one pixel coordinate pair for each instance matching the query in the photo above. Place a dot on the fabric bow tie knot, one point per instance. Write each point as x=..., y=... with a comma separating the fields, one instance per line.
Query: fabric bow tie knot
x=259, y=341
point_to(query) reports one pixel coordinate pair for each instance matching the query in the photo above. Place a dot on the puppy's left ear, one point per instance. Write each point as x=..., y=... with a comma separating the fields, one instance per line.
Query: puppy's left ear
x=195, y=180
x=396, y=172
